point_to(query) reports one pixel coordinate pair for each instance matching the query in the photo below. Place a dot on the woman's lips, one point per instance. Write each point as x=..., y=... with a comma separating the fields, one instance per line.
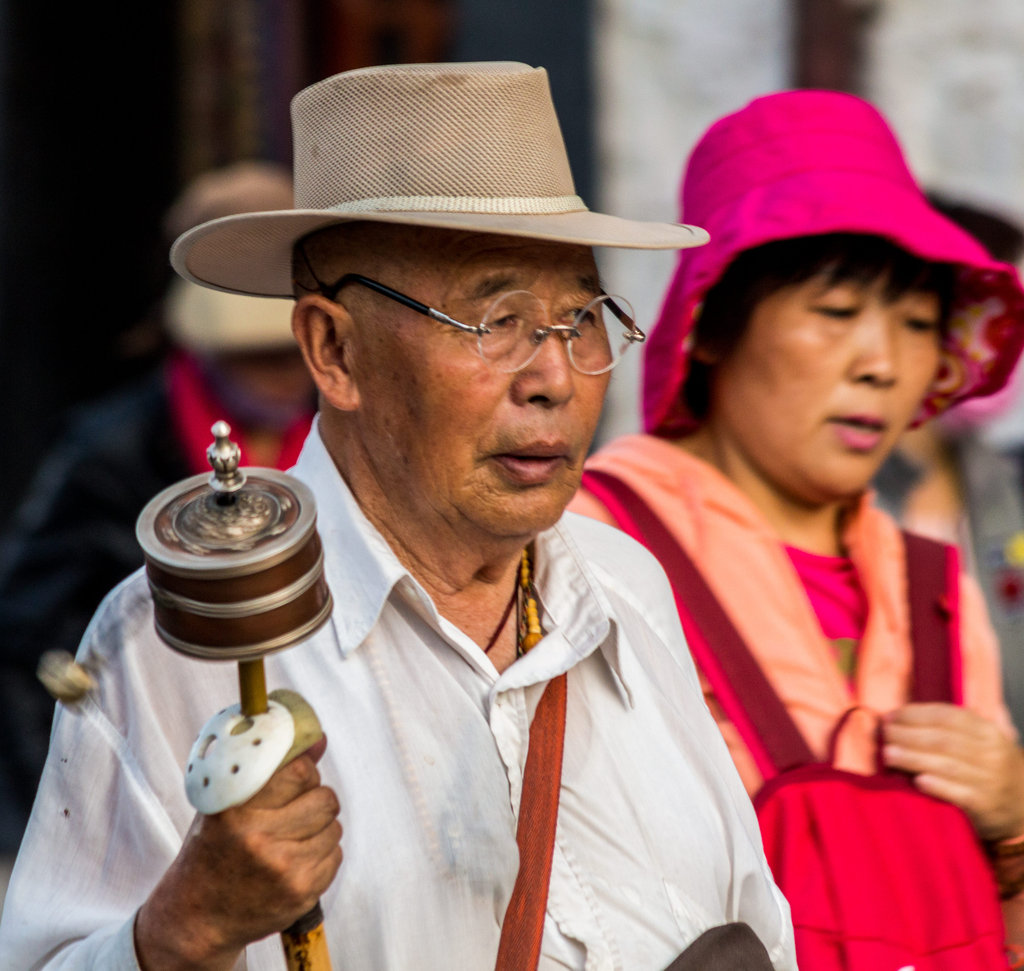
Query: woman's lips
x=859, y=433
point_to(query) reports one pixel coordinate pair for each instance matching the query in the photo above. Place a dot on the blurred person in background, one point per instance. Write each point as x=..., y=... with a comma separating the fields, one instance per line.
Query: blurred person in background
x=72, y=537
x=948, y=481
x=833, y=308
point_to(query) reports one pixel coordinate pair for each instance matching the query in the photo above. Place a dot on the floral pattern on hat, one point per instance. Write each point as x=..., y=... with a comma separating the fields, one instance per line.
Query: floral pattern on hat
x=983, y=340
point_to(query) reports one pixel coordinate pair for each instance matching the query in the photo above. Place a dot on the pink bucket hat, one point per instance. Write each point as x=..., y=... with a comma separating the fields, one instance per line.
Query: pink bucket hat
x=806, y=163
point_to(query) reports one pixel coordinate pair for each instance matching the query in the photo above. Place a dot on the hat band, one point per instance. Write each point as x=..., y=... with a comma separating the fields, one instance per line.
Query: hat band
x=513, y=205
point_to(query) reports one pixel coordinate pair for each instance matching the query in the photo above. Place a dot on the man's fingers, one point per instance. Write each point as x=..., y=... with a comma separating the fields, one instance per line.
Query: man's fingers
x=288, y=852
x=287, y=783
x=321, y=857
x=316, y=750
x=307, y=815
x=301, y=870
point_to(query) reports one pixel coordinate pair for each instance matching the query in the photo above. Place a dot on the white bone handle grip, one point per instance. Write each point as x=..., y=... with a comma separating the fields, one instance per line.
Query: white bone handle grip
x=232, y=759
x=235, y=755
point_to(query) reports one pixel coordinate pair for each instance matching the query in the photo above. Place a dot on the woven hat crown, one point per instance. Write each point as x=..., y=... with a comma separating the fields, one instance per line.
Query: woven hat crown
x=470, y=147
x=432, y=137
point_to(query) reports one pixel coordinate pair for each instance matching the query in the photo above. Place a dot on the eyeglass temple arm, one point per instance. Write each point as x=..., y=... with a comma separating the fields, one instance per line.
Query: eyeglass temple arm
x=420, y=308
x=633, y=333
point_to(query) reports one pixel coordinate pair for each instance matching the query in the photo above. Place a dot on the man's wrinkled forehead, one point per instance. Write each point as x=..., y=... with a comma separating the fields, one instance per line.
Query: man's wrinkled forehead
x=412, y=246
x=487, y=265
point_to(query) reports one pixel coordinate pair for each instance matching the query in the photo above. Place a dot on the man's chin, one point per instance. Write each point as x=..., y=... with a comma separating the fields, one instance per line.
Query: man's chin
x=529, y=513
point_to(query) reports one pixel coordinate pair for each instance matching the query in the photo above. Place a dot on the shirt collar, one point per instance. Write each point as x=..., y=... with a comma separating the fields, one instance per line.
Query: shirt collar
x=577, y=614
x=361, y=571
x=359, y=566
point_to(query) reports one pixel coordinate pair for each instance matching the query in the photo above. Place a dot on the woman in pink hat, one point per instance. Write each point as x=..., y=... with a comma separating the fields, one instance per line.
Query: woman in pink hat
x=832, y=309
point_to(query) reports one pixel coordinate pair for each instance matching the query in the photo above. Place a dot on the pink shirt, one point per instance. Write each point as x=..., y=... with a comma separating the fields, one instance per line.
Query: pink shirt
x=835, y=592
x=833, y=587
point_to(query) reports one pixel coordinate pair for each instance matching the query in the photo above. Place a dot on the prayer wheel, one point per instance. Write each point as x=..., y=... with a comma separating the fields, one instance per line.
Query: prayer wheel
x=234, y=560
x=235, y=566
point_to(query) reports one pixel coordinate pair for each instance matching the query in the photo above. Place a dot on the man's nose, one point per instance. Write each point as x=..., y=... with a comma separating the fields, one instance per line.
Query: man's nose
x=549, y=378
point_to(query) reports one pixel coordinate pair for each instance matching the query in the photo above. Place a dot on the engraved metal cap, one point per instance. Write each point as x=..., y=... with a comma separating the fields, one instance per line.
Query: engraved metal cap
x=233, y=559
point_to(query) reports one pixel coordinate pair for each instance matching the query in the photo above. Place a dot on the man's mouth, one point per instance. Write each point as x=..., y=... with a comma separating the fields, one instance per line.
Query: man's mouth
x=533, y=464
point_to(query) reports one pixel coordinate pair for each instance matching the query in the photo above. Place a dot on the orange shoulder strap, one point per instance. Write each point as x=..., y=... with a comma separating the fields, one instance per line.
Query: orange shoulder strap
x=523, y=927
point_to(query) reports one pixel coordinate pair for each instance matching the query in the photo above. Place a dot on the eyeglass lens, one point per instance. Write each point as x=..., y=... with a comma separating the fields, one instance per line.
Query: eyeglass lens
x=518, y=323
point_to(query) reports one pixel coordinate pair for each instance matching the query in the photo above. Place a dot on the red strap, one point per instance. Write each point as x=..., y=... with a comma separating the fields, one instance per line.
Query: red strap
x=523, y=927
x=933, y=570
x=740, y=685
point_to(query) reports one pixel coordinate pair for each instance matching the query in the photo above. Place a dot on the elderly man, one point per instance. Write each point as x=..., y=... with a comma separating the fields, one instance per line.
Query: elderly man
x=450, y=312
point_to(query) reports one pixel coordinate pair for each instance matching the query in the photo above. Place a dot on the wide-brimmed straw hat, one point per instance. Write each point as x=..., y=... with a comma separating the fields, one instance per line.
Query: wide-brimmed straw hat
x=471, y=146
x=807, y=163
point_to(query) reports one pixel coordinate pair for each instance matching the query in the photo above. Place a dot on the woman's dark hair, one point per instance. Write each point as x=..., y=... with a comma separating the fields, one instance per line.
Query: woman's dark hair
x=759, y=272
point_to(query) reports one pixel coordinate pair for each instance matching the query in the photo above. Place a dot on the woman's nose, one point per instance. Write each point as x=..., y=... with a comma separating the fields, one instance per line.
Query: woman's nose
x=876, y=357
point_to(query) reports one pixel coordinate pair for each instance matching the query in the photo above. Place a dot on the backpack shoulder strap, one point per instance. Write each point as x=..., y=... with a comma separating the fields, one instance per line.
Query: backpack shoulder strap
x=933, y=577
x=741, y=688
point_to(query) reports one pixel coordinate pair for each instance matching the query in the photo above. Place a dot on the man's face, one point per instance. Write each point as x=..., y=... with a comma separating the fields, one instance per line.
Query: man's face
x=449, y=442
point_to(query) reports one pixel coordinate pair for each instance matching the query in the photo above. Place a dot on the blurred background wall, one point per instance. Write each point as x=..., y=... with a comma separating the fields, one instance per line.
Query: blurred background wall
x=104, y=115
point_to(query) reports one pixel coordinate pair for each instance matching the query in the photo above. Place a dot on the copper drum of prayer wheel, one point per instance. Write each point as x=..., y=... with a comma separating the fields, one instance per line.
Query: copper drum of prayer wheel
x=234, y=560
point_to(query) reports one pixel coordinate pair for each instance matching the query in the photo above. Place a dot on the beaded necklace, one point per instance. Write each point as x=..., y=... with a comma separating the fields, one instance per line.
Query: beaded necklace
x=524, y=596
x=529, y=631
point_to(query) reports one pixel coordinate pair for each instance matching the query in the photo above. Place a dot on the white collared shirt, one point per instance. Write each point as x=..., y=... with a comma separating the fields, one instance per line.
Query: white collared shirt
x=656, y=839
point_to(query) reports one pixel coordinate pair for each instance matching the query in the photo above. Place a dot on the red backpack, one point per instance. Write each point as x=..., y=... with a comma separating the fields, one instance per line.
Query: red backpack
x=879, y=876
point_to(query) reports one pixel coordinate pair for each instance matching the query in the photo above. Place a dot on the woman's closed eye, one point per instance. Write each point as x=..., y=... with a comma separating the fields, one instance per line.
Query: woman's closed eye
x=923, y=324
x=837, y=311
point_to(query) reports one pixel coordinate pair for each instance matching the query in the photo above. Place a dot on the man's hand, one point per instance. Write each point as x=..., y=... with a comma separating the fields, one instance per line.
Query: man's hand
x=244, y=874
x=962, y=758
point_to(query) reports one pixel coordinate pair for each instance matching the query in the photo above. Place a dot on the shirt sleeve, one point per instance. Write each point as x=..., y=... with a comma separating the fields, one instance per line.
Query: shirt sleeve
x=91, y=853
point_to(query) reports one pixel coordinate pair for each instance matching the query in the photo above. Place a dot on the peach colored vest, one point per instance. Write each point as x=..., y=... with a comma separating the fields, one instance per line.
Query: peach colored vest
x=754, y=580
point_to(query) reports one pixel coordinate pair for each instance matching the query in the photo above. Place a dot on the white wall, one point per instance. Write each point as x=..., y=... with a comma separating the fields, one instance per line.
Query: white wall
x=949, y=74
x=666, y=70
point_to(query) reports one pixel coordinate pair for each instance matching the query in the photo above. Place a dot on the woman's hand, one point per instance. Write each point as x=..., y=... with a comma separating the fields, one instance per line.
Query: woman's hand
x=962, y=758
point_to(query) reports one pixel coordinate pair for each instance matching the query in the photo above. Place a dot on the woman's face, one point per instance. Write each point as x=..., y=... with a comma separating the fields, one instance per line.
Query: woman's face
x=825, y=378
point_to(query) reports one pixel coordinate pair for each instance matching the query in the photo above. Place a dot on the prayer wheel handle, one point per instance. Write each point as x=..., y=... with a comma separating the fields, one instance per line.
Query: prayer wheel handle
x=235, y=567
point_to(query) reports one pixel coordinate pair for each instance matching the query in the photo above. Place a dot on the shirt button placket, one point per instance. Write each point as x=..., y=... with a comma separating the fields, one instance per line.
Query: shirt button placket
x=511, y=731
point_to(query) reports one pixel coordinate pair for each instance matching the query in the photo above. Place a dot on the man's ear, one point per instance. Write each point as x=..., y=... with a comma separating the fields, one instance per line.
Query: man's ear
x=324, y=331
